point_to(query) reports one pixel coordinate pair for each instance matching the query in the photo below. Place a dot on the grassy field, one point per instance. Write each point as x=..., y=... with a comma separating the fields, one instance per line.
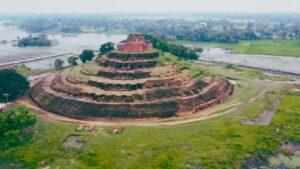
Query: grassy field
x=221, y=142
x=262, y=47
x=25, y=71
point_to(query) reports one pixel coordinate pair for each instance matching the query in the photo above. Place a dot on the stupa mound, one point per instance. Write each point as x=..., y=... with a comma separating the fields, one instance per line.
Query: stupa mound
x=127, y=83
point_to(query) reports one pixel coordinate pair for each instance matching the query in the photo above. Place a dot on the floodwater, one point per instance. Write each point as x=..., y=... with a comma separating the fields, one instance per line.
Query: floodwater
x=277, y=63
x=65, y=43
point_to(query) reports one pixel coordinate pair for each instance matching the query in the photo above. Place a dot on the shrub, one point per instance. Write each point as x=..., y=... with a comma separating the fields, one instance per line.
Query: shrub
x=86, y=55
x=15, y=125
x=234, y=67
x=107, y=47
x=72, y=60
x=59, y=64
x=12, y=85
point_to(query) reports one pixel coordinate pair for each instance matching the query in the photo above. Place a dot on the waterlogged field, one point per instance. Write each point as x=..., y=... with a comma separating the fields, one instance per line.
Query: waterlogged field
x=220, y=142
x=260, y=47
x=269, y=47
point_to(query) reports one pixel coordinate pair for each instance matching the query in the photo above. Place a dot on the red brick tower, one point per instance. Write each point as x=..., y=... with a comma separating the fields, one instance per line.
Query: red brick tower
x=135, y=43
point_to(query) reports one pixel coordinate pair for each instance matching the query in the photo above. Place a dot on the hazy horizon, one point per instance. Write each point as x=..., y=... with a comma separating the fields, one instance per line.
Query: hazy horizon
x=149, y=6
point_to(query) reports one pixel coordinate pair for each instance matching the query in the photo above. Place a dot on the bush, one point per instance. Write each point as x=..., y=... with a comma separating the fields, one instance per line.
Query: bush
x=181, y=65
x=59, y=64
x=107, y=47
x=12, y=85
x=72, y=60
x=86, y=55
x=15, y=125
x=234, y=67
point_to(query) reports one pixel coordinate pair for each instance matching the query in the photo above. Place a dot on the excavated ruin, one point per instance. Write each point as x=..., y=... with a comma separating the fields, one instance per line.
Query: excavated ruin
x=127, y=83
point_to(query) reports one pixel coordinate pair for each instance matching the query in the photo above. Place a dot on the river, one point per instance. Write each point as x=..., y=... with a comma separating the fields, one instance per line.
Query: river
x=65, y=43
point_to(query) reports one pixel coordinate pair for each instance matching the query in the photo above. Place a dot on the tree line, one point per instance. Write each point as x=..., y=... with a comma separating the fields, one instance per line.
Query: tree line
x=222, y=28
x=175, y=49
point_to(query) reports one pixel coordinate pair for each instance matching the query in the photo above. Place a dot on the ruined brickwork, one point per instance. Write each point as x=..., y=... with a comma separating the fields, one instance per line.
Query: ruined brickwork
x=124, y=85
x=135, y=43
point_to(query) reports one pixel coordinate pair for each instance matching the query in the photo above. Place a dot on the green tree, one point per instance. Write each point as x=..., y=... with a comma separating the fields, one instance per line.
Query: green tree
x=72, y=60
x=59, y=64
x=12, y=85
x=176, y=49
x=107, y=47
x=14, y=126
x=86, y=55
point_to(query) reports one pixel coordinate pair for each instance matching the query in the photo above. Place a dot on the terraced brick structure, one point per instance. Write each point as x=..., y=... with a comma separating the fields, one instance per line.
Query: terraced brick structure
x=127, y=83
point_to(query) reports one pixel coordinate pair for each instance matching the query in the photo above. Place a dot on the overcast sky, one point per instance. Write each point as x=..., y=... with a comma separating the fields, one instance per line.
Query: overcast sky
x=100, y=6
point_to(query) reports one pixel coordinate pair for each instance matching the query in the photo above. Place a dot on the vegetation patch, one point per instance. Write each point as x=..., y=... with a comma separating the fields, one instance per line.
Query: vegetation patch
x=74, y=74
x=17, y=126
x=265, y=103
x=73, y=142
x=264, y=76
x=90, y=68
x=115, y=130
x=162, y=71
x=26, y=71
x=270, y=104
x=283, y=161
x=233, y=67
x=289, y=148
x=175, y=49
x=195, y=70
